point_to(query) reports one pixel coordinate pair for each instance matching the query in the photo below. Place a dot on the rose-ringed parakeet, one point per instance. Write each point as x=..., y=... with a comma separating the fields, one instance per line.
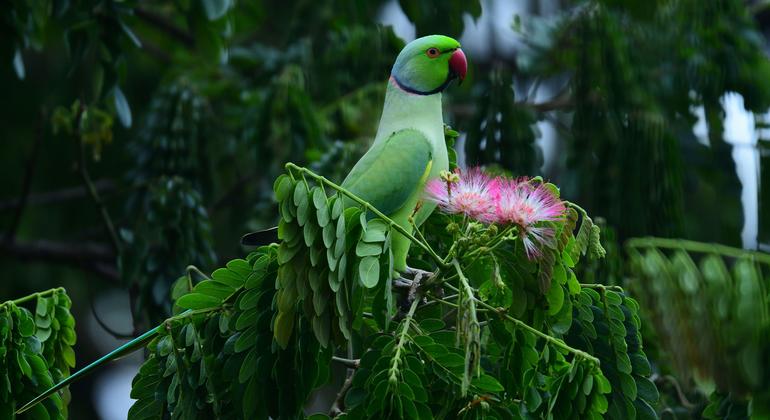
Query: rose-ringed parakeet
x=409, y=147
x=408, y=150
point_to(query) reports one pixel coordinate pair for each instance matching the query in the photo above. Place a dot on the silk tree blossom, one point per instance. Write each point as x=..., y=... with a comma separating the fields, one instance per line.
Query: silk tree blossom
x=526, y=205
x=472, y=193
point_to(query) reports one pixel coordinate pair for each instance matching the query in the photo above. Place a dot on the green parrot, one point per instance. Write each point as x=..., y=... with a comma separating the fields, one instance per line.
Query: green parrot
x=408, y=150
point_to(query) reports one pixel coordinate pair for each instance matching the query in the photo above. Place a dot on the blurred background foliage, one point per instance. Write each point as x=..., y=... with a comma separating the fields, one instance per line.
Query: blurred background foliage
x=143, y=137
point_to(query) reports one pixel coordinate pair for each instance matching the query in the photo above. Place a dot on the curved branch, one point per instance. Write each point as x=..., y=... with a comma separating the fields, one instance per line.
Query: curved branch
x=64, y=194
x=93, y=257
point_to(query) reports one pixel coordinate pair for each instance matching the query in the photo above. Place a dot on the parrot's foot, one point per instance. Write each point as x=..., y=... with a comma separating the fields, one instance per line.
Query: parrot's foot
x=411, y=279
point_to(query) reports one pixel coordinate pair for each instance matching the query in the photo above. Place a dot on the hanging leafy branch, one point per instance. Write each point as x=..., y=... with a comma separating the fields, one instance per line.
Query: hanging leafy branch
x=36, y=352
x=722, y=293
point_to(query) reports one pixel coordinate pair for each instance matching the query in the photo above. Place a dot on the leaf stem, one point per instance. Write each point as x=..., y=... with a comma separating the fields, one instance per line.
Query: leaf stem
x=35, y=295
x=196, y=270
x=400, y=229
x=598, y=286
x=407, y=322
x=468, y=327
x=522, y=325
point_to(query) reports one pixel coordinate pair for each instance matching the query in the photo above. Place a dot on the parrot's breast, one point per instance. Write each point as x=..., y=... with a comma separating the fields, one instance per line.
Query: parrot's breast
x=404, y=110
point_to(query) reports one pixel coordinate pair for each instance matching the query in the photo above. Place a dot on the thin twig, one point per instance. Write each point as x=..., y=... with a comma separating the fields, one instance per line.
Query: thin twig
x=193, y=269
x=163, y=24
x=339, y=403
x=92, y=188
x=523, y=325
x=27, y=182
x=105, y=327
x=350, y=363
x=234, y=192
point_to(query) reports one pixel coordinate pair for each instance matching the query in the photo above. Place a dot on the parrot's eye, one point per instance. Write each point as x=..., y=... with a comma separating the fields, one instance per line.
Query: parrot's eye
x=432, y=52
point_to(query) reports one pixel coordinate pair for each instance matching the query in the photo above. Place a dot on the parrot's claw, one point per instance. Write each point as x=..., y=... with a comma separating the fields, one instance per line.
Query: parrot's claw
x=402, y=283
x=416, y=273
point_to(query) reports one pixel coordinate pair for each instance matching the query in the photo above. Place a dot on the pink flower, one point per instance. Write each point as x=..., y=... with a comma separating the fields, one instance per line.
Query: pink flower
x=473, y=194
x=525, y=205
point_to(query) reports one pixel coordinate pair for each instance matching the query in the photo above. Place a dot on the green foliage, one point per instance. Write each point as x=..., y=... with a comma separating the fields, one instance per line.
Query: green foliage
x=430, y=18
x=172, y=230
x=607, y=324
x=330, y=258
x=501, y=131
x=218, y=360
x=242, y=87
x=720, y=291
x=35, y=352
x=257, y=337
x=91, y=125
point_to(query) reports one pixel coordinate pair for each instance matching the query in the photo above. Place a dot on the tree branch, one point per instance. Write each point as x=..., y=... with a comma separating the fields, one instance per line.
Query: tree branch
x=57, y=196
x=92, y=257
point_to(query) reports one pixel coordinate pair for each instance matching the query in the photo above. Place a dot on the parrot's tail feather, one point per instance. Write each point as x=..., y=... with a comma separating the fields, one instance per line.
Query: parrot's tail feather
x=260, y=237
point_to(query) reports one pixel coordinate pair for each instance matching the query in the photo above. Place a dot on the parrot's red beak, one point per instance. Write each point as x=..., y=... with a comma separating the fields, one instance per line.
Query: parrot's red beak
x=458, y=65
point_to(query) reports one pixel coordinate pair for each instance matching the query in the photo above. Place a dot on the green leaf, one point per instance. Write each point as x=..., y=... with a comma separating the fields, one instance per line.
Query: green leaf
x=283, y=187
x=555, y=298
x=24, y=366
x=369, y=271
x=337, y=208
x=364, y=249
x=319, y=198
x=572, y=283
x=487, y=383
x=647, y=390
x=249, y=366
x=214, y=289
x=588, y=384
x=228, y=277
x=628, y=386
x=198, y=301
x=26, y=324
x=375, y=231
x=532, y=398
x=284, y=324
x=121, y=107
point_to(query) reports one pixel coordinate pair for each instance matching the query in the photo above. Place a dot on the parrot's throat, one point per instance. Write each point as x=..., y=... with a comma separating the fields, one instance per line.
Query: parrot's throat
x=412, y=90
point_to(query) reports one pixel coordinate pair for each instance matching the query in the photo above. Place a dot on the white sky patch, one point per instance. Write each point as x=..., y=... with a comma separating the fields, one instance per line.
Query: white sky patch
x=392, y=14
x=112, y=387
x=740, y=131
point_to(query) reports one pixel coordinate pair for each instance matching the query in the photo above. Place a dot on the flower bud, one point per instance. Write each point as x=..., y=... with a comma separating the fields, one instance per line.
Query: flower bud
x=452, y=228
x=450, y=177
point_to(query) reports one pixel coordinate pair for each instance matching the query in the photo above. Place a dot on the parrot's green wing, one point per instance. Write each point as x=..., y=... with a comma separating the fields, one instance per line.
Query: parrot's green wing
x=392, y=171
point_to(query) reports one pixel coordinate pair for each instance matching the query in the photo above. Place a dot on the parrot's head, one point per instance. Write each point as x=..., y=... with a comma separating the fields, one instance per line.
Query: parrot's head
x=427, y=65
